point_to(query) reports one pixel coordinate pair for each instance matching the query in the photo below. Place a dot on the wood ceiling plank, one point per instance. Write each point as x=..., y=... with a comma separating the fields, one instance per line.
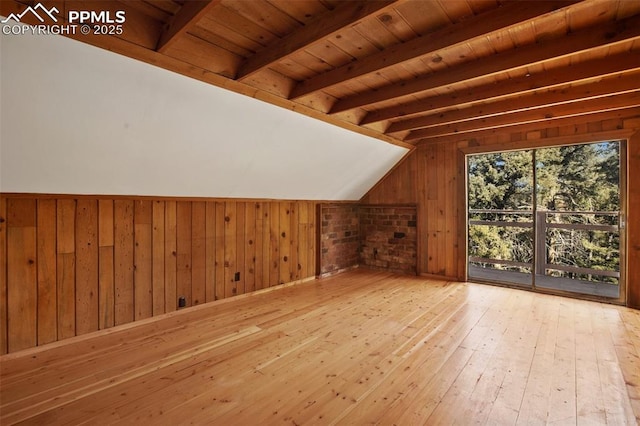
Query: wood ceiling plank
x=593, y=12
x=151, y=10
x=427, y=16
x=353, y=43
x=302, y=11
x=396, y=25
x=241, y=39
x=265, y=15
x=312, y=62
x=377, y=33
x=536, y=126
x=225, y=20
x=205, y=55
x=592, y=106
x=627, y=82
x=169, y=6
x=347, y=14
x=514, y=87
x=592, y=38
x=430, y=43
x=188, y=16
x=217, y=40
x=329, y=53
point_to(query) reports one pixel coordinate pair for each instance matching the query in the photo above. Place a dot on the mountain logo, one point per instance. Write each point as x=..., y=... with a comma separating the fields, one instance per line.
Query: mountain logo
x=34, y=11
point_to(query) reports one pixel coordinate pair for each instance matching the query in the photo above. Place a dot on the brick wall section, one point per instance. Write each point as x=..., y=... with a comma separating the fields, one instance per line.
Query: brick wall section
x=388, y=238
x=339, y=237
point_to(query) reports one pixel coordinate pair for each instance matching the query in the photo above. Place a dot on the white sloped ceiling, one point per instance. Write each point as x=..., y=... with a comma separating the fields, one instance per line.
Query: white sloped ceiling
x=76, y=119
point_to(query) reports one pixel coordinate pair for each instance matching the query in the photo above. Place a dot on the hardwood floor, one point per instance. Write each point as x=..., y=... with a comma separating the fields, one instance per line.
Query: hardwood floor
x=358, y=348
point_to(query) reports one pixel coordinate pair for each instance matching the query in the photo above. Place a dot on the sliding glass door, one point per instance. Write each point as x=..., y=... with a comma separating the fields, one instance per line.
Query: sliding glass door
x=547, y=218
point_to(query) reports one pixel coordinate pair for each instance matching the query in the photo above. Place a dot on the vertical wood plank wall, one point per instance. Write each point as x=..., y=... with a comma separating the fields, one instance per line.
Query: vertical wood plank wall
x=439, y=191
x=72, y=265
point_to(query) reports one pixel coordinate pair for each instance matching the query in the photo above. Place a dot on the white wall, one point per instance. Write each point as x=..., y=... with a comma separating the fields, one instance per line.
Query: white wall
x=76, y=119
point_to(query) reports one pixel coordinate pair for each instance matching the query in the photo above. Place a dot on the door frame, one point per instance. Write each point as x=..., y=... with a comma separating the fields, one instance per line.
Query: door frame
x=622, y=136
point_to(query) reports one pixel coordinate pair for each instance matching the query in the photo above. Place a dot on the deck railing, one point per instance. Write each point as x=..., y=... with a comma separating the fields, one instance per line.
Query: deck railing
x=540, y=226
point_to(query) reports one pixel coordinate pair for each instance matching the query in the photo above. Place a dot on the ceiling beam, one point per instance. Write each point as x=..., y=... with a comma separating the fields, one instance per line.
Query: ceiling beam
x=186, y=18
x=345, y=15
x=516, y=86
x=477, y=26
x=620, y=114
x=570, y=44
x=592, y=106
x=539, y=99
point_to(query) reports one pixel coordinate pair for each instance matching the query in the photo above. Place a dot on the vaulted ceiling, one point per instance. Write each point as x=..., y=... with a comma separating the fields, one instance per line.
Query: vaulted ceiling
x=407, y=72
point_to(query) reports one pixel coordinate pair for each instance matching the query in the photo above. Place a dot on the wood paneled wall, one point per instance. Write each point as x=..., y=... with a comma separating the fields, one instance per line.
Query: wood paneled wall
x=438, y=171
x=72, y=265
x=434, y=169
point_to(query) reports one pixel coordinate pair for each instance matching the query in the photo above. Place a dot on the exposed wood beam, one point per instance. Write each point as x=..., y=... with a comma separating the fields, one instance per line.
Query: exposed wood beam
x=564, y=95
x=632, y=112
x=460, y=32
x=188, y=16
x=345, y=15
x=516, y=86
x=593, y=106
x=578, y=42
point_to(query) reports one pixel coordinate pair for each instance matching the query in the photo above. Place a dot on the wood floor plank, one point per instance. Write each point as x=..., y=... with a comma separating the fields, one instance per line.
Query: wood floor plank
x=363, y=347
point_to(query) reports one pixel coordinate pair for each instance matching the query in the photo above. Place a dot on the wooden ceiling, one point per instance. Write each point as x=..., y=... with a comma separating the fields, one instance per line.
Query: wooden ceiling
x=407, y=72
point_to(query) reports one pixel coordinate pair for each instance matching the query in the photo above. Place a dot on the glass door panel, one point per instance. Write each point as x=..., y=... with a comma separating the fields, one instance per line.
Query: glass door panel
x=554, y=225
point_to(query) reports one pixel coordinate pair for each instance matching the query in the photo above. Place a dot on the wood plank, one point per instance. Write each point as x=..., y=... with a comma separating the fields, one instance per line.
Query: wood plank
x=526, y=116
x=294, y=241
x=518, y=85
x=274, y=243
x=220, y=251
x=123, y=256
x=250, y=247
x=240, y=246
x=22, y=285
x=572, y=44
x=3, y=275
x=142, y=259
x=210, y=251
x=106, y=283
x=375, y=348
x=540, y=99
x=87, y=288
x=170, y=256
x=260, y=267
x=313, y=237
x=428, y=44
x=198, y=252
x=184, y=254
x=323, y=26
x=198, y=52
x=230, y=248
x=303, y=239
x=158, y=257
x=567, y=127
x=284, y=242
x=451, y=212
x=188, y=16
x=66, y=268
x=47, y=262
x=633, y=221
